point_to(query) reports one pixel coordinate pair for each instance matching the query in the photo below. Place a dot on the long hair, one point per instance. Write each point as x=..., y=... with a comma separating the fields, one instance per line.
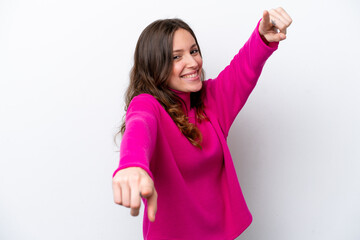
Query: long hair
x=153, y=62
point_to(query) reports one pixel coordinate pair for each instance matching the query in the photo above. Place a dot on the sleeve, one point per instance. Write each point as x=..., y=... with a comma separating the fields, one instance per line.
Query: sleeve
x=227, y=93
x=139, y=139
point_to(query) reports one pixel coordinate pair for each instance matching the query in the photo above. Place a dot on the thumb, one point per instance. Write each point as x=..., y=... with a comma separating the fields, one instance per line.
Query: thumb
x=277, y=37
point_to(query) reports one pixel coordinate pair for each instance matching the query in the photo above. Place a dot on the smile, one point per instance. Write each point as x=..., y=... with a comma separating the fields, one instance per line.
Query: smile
x=191, y=75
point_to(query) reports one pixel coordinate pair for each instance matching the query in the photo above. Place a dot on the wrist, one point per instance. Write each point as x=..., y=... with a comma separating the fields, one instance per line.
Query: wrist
x=264, y=39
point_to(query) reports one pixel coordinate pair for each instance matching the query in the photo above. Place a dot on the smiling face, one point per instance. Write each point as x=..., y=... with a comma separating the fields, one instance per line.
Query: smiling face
x=186, y=70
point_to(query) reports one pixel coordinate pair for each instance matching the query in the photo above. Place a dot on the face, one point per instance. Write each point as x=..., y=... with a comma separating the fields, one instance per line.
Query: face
x=186, y=70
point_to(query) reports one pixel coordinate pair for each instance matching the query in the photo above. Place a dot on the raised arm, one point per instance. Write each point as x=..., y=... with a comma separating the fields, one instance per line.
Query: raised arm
x=228, y=92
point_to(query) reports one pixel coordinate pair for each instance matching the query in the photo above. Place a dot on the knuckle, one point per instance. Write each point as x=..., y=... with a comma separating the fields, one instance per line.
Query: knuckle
x=134, y=178
x=146, y=182
x=149, y=183
x=283, y=28
x=114, y=182
x=135, y=205
x=123, y=180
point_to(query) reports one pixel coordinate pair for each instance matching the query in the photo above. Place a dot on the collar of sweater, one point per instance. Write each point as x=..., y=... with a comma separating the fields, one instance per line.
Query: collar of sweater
x=185, y=96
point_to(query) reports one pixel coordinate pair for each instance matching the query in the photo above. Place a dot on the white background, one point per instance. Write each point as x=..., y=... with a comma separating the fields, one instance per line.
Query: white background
x=64, y=67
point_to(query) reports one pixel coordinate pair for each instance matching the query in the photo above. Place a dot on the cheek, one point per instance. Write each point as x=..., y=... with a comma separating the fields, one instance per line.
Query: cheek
x=177, y=69
x=200, y=61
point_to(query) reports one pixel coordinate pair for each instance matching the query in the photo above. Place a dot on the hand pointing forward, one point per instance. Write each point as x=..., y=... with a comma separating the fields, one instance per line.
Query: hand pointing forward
x=129, y=185
x=274, y=24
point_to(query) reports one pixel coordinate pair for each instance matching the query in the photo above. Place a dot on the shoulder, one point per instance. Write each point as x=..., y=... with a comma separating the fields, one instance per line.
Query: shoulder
x=209, y=88
x=145, y=103
x=145, y=98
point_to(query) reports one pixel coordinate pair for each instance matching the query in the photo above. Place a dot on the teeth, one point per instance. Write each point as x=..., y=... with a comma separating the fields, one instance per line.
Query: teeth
x=190, y=75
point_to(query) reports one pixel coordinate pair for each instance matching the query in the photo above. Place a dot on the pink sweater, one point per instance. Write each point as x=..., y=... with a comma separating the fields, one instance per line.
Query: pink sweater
x=199, y=196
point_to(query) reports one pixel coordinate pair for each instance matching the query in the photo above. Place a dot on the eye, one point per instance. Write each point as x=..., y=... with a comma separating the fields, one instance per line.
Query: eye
x=176, y=57
x=195, y=51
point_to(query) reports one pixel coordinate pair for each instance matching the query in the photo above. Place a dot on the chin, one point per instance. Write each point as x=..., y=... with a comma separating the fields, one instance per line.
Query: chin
x=196, y=88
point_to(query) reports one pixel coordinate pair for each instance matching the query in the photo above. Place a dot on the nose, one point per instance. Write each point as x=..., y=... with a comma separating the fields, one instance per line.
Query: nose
x=191, y=62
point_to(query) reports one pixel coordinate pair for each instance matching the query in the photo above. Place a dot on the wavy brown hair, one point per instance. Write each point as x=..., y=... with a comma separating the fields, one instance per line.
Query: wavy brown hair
x=153, y=62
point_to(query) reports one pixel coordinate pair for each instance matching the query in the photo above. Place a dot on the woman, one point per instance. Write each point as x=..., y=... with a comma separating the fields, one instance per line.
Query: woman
x=174, y=153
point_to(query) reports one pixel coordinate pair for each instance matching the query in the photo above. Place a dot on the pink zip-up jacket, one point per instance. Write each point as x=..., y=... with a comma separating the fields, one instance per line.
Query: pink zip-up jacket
x=199, y=196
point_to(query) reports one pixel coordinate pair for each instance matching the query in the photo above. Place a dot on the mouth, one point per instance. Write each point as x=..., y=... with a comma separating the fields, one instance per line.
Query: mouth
x=191, y=75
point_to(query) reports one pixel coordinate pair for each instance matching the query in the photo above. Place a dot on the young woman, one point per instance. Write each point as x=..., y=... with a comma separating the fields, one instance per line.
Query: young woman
x=174, y=153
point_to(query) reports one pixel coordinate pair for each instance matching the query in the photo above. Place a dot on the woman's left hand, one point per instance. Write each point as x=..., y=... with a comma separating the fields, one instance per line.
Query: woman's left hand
x=273, y=25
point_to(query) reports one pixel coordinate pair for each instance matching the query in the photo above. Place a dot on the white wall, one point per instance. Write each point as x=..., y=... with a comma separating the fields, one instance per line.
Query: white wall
x=64, y=68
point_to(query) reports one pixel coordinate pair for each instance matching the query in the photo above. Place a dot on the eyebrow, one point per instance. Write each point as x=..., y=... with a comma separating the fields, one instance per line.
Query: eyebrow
x=180, y=50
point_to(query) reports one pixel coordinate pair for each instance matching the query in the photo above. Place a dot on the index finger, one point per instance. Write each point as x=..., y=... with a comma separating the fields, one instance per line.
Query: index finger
x=152, y=206
x=266, y=17
x=147, y=190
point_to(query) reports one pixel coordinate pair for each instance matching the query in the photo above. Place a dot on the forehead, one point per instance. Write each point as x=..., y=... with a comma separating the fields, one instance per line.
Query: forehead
x=182, y=39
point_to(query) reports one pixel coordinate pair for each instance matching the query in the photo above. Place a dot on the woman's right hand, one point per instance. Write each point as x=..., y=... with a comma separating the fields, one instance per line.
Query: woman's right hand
x=129, y=185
